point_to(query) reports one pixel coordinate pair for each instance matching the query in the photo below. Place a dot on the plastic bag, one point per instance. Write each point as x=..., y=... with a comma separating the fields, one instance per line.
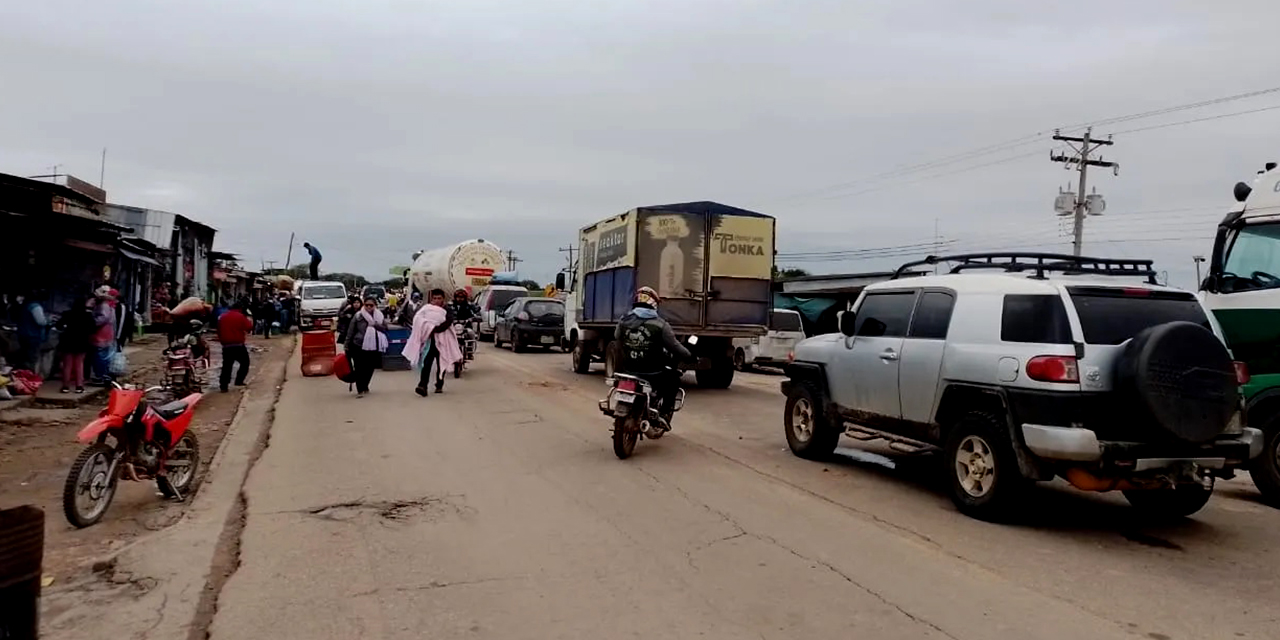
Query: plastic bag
x=26, y=383
x=119, y=364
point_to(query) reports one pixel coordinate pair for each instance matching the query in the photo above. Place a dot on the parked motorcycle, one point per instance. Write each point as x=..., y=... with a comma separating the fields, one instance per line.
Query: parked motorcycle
x=636, y=410
x=135, y=439
x=468, y=334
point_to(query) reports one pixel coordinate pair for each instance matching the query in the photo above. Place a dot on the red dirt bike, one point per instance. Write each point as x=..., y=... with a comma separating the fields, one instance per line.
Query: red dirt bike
x=146, y=442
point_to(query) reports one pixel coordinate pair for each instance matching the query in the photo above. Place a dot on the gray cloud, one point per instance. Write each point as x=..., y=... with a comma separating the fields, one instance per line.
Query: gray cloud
x=373, y=129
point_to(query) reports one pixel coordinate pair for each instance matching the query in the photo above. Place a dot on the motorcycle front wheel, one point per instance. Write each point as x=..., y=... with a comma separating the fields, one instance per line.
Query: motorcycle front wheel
x=625, y=434
x=457, y=370
x=90, y=486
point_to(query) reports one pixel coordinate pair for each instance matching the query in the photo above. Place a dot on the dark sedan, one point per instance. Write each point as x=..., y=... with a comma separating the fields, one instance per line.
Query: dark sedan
x=530, y=322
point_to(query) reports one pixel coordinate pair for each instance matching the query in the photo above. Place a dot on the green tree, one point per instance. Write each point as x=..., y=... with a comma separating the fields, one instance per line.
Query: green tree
x=531, y=285
x=786, y=273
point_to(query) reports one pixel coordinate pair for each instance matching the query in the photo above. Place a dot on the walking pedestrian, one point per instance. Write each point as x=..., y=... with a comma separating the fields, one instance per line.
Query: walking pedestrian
x=33, y=329
x=266, y=315
x=315, y=260
x=431, y=343
x=104, y=337
x=365, y=343
x=75, y=328
x=234, y=328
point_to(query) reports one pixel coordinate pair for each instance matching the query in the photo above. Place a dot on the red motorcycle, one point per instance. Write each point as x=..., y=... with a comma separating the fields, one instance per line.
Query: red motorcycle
x=140, y=441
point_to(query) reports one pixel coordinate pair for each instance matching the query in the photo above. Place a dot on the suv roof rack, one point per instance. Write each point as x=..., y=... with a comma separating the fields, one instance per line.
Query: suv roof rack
x=1017, y=261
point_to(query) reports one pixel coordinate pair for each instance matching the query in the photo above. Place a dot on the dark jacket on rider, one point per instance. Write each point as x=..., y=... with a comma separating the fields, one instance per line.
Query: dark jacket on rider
x=646, y=341
x=463, y=311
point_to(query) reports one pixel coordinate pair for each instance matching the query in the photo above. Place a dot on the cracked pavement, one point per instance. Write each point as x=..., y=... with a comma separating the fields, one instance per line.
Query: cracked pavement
x=498, y=510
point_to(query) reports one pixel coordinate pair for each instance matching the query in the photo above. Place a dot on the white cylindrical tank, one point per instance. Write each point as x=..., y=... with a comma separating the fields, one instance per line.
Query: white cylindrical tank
x=466, y=265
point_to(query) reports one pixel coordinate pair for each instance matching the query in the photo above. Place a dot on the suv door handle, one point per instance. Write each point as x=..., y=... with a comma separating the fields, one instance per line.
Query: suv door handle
x=889, y=355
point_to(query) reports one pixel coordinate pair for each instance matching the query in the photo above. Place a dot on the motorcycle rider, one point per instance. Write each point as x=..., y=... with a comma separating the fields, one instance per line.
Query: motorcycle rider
x=464, y=311
x=648, y=345
x=194, y=339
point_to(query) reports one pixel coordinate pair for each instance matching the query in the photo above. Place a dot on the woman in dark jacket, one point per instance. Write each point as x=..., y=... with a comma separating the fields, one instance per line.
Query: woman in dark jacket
x=76, y=328
x=365, y=342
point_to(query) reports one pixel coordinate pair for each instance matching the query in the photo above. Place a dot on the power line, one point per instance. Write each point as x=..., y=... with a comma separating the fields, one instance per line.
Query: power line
x=1174, y=109
x=935, y=176
x=1036, y=137
x=1194, y=120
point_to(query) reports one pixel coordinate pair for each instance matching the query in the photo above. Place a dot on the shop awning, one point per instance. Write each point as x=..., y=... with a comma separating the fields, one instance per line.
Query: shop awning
x=136, y=256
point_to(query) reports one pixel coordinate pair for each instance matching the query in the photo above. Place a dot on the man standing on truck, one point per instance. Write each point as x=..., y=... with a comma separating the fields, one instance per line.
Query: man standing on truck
x=648, y=345
x=315, y=260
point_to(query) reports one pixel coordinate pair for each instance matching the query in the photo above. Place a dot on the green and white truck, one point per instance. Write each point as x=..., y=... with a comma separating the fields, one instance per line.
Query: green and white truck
x=1243, y=290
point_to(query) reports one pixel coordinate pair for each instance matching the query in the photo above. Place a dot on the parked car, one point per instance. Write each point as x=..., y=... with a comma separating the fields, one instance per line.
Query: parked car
x=774, y=349
x=1057, y=366
x=492, y=300
x=528, y=322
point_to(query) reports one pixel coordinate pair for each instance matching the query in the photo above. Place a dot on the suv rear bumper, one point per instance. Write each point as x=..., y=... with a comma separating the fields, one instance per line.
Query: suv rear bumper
x=1082, y=445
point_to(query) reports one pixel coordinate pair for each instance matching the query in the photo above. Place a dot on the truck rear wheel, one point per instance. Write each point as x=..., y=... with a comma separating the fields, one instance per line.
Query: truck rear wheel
x=582, y=357
x=719, y=376
x=612, y=354
x=1265, y=469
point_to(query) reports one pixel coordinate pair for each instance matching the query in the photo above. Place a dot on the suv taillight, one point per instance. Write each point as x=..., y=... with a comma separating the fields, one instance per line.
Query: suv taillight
x=1242, y=372
x=1053, y=369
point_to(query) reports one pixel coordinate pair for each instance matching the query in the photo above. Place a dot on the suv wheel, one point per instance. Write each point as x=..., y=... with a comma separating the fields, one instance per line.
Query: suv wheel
x=809, y=433
x=1265, y=469
x=982, y=471
x=1178, y=502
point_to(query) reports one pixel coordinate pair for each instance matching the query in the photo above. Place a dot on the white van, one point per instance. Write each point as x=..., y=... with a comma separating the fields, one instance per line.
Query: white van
x=318, y=303
x=492, y=300
x=775, y=347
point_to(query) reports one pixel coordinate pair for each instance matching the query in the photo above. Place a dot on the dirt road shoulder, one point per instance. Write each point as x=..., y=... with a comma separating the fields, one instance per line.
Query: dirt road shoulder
x=157, y=585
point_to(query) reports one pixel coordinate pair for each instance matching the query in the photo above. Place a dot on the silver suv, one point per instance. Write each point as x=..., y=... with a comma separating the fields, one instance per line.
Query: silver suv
x=1020, y=367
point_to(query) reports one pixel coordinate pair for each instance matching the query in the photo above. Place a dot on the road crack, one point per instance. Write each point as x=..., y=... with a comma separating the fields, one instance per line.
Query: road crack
x=437, y=584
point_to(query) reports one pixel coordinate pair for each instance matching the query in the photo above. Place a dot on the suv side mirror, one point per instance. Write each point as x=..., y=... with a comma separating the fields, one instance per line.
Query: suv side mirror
x=847, y=321
x=560, y=281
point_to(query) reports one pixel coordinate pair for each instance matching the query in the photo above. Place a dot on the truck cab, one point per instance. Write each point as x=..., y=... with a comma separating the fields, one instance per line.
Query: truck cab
x=1243, y=292
x=773, y=349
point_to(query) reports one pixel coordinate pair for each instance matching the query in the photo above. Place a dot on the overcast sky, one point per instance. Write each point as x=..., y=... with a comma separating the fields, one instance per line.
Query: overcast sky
x=378, y=127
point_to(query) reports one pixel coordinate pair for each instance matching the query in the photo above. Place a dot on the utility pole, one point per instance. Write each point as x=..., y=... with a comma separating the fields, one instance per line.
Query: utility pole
x=1087, y=146
x=1197, y=260
x=572, y=266
x=512, y=260
x=288, y=256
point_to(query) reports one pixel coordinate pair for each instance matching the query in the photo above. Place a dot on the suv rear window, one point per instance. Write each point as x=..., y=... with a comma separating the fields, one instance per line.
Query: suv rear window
x=500, y=298
x=783, y=321
x=1111, y=316
x=1037, y=318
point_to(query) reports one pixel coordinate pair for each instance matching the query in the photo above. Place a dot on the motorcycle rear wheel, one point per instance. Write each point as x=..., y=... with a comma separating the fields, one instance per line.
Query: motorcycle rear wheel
x=625, y=434
x=176, y=483
x=90, y=474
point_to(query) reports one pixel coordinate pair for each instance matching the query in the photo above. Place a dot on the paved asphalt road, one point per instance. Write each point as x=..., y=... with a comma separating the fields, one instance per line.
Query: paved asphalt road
x=499, y=511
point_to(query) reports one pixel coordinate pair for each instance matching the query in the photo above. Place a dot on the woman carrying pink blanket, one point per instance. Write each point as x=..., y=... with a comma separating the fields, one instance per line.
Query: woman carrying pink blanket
x=432, y=343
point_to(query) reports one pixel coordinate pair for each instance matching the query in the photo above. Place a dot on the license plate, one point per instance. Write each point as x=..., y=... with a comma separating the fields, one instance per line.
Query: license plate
x=548, y=339
x=623, y=396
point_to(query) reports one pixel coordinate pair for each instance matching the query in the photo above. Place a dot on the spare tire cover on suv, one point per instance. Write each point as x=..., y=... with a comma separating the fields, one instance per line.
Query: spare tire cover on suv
x=1181, y=379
